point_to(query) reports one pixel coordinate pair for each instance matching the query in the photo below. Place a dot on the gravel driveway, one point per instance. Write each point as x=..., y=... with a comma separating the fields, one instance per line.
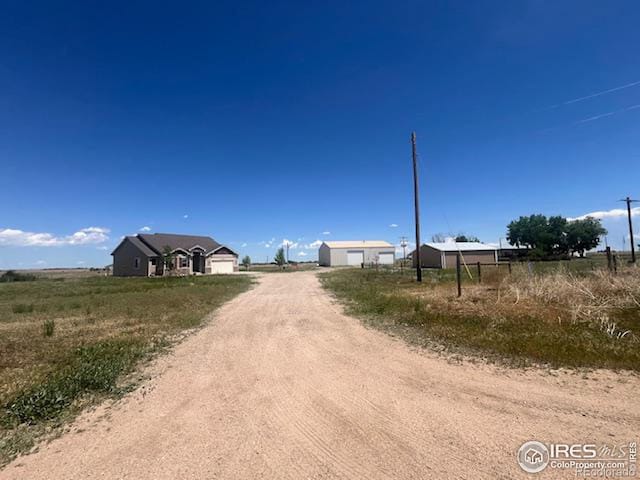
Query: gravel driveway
x=281, y=384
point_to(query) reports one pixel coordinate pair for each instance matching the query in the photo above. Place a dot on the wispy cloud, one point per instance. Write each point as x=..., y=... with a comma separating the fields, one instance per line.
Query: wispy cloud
x=608, y=114
x=145, y=229
x=393, y=225
x=614, y=213
x=185, y=216
x=312, y=245
x=326, y=232
x=85, y=236
x=593, y=95
x=243, y=245
x=302, y=254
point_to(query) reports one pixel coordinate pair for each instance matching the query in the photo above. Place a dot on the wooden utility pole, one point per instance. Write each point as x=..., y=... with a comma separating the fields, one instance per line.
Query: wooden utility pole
x=458, y=276
x=416, y=206
x=633, y=246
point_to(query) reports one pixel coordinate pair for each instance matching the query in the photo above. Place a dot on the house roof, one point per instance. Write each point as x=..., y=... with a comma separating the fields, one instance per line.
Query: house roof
x=158, y=242
x=141, y=246
x=358, y=244
x=460, y=246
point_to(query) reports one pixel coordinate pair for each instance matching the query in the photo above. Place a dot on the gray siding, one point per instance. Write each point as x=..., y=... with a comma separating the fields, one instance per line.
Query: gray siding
x=324, y=256
x=482, y=256
x=429, y=257
x=124, y=261
x=337, y=257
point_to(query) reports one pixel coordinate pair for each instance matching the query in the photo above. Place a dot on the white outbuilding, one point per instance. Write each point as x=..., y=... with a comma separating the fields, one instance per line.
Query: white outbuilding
x=355, y=253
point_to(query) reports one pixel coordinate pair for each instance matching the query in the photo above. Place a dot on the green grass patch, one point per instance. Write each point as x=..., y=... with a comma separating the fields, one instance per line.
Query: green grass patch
x=515, y=334
x=66, y=343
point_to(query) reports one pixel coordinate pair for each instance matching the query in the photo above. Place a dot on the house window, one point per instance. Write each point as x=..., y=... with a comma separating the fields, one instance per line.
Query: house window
x=153, y=262
x=136, y=262
x=184, y=262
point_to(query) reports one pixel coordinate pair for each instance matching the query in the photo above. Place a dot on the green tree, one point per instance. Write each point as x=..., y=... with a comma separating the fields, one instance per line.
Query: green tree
x=583, y=235
x=246, y=262
x=279, y=258
x=461, y=237
x=168, y=259
x=544, y=235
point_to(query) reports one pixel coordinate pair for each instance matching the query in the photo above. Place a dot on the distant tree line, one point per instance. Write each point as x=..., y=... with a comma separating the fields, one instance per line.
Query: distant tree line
x=555, y=235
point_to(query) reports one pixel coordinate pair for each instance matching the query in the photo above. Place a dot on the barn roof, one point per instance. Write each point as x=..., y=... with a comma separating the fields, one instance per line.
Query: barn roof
x=461, y=246
x=358, y=244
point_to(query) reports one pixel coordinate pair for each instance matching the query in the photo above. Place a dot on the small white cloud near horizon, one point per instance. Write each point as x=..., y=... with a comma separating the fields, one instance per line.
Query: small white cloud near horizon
x=302, y=254
x=84, y=236
x=614, y=213
x=312, y=245
x=145, y=229
x=103, y=247
x=326, y=232
x=290, y=243
x=41, y=262
x=80, y=262
x=393, y=225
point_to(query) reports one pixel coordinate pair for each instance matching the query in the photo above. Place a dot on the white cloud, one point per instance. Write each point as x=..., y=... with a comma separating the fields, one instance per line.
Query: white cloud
x=268, y=243
x=103, y=247
x=326, y=232
x=185, y=216
x=20, y=238
x=312, y=245
x=41, y=262
x=243, y=245
x=145, y=229
x=80, y=262
x=302, y=254
x=615, y=213
x=393, y=225
x=292, y=245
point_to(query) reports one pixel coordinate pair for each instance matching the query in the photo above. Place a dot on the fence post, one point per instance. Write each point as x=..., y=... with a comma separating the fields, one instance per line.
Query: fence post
x=609, y=262
x=615, y=263
x=479, y=273
x=458, y=275
x=509, y=268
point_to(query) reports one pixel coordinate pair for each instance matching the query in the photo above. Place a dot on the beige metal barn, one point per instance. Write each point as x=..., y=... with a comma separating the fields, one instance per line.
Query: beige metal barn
x=355, y=253
x=443, y=254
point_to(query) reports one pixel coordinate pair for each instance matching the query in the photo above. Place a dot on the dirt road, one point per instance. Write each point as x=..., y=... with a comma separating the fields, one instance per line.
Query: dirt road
x=282, y=384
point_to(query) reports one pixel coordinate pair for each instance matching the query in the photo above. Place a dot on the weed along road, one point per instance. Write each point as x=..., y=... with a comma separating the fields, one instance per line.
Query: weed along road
x=281, y=384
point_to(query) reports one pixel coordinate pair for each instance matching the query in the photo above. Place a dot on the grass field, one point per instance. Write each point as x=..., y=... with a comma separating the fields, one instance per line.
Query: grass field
x=66, y=342
x=557, y=315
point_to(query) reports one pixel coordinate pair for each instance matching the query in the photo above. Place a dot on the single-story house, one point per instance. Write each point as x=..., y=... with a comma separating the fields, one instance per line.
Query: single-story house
x=443, y=254
x=355, y=253
x=144, y=255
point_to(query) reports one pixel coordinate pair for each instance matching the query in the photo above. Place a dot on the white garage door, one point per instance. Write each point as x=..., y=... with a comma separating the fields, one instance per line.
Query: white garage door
x=221, y=267
x=385, y=258
x=355, y=258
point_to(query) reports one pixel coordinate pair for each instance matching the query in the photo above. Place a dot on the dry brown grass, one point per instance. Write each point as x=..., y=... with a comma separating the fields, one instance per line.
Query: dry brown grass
x=556, y=317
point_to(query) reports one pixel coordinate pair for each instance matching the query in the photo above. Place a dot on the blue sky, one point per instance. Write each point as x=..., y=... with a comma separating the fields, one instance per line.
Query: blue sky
x=255, y=122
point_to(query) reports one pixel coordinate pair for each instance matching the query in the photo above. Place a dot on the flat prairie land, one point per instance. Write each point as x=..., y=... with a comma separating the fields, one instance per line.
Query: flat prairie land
x=282, y=384
x=67, y=341
x=555, y=315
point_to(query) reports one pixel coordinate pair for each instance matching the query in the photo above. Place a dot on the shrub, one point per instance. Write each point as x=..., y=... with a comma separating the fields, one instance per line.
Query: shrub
x=48, y=327
x=13, y=276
